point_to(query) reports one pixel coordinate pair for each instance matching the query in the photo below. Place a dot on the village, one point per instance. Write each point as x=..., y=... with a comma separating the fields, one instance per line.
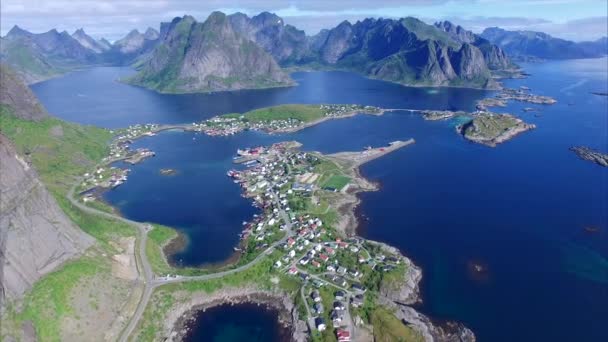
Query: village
x=335, y=272
x=230, y=124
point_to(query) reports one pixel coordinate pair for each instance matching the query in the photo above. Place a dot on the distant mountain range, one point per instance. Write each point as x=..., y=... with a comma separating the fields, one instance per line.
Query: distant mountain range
x=228, y=52
x=524, y=45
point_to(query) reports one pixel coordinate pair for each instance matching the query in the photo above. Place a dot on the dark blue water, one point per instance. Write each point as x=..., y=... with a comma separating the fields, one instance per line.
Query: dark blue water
x=237, y=323
x=95, y=97
x=518, y=209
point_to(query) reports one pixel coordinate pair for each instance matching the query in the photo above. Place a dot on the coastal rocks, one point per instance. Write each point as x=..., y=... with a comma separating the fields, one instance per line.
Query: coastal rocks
x=491, y=129
x=407, y=291
x=449, y=332
x=586, y=153
x=15, y=94
x=168, y=172
x=36, y=236
x=176, y=323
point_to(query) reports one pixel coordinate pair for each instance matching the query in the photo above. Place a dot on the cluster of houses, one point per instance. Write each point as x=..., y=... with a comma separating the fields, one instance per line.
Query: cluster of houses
x=102, y=177
x=229, y=125
x=337, y=110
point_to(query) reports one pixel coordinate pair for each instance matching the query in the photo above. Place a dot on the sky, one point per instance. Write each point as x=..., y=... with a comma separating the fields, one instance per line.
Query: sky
x=112, y=19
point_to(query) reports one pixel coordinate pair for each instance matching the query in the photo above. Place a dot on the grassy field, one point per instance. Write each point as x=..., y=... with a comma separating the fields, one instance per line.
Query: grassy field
x=304, y=113
x=336, y=182
x=59, y=150
x=388, y=328
x=489, y=126
x=165, y=297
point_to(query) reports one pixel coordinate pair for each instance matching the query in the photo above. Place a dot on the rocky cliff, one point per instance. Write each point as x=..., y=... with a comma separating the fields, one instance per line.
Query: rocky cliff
x=15, y=94
x=209, y=56
x=494, y=56
x=285, y=43
x=35, y=234
x=406, y=51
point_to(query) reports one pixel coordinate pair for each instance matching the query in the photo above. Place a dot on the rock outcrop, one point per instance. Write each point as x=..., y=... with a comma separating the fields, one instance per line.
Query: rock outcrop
x=18, y=96
x=494, y=56
x=209, y=56
x=36, y=236
x=285, y=43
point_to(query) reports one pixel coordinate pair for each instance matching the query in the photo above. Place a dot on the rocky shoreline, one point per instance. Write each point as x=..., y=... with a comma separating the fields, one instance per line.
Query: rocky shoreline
x=180, y=318
x=586, y=153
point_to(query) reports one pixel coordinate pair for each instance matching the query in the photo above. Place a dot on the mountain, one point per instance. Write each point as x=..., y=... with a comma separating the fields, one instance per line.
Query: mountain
x=526, y=44
x=135, y=42
x=285, y=43
x=209, y=56
x=495, y=57
x=88, y=42
x=406, y=51
x=36, y=236
x=18, y=96
x=105, y=44
x=40, y=56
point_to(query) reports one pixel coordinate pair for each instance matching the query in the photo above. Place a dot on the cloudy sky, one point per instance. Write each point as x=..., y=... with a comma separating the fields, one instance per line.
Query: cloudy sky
x=570, y=19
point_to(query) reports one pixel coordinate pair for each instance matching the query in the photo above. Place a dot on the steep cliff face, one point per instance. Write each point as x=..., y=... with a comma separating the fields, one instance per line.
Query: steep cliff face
x=208, y=56
x=406, y=51
x=15, y=94
x=36, y=236
x=285, y=43
x=495, y=57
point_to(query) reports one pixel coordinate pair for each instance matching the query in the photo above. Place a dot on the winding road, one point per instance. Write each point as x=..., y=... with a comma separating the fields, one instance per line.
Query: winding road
x=150, y=282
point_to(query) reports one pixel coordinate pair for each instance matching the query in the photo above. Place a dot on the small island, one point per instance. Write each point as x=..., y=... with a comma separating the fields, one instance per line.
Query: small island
x=491, y=129
x=168, y=172
x=507, y=94
x=586, y=153
x=283, y=118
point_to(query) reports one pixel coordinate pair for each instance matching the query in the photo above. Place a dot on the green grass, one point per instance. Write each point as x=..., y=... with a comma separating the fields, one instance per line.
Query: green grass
x=58, y=158
x=165, y=297
x=488, y=126
x=336, y=182
x=388, y=328
x=304, y=113
x=158, y=238
x=48, y=302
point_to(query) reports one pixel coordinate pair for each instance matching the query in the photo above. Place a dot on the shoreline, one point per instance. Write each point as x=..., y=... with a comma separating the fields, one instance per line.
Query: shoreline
x=179, y=319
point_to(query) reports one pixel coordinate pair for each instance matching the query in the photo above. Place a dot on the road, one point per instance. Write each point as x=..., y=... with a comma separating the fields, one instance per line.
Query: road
x=149, y=281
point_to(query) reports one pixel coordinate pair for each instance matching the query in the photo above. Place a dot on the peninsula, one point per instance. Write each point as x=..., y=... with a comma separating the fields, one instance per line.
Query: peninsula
x=302, y=251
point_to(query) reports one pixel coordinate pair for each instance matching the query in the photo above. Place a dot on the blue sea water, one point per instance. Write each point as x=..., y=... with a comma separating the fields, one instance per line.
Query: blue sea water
x=519, y=209
x=236, y=323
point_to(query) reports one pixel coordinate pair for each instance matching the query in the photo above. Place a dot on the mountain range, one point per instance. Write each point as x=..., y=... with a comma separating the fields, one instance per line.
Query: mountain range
x=228, y=52
x=524, y=45
x=208, y=56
